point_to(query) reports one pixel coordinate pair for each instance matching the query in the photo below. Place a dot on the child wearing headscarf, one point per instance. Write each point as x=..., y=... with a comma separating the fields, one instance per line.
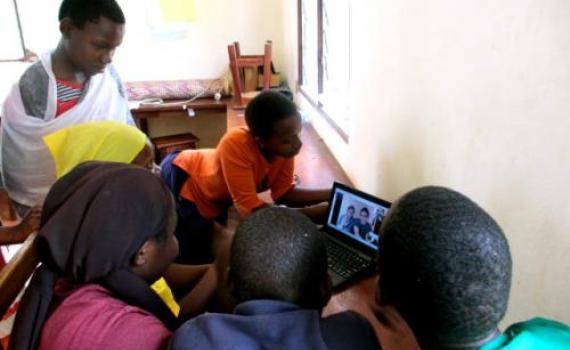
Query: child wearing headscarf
x=107, y=233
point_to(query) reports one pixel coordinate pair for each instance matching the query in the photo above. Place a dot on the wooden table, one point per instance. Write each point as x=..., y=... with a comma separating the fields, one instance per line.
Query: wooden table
x=149, y=111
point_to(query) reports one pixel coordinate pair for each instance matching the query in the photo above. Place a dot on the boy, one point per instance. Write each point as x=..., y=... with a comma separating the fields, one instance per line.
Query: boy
x=71, y=85
x=360, y=226
x=245, y=163
x=278, y=278
x=445, y=265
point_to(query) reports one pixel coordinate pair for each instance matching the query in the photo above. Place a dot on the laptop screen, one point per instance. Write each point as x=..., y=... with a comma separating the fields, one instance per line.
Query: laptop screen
x=356, y=215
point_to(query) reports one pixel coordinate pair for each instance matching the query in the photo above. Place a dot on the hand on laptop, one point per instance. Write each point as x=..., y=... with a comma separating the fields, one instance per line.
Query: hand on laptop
x=317, y=213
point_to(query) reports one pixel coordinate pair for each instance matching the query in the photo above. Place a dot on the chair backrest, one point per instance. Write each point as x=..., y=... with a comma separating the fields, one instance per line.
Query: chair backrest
x=15, y=274
x=237, y=64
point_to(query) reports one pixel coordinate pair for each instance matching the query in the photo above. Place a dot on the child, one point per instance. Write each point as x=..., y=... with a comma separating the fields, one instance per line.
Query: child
x=278, y=278
x=107, y=234
x=102, y=140
x=71, y=85
x=116, y=142
x=245, y=163
x=445, y=265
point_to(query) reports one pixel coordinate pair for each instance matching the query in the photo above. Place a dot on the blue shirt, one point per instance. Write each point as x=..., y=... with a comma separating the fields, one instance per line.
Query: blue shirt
x=272, y=324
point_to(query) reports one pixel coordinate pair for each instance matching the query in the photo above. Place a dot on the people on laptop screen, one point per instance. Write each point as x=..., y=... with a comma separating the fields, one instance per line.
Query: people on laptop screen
x=354, y=218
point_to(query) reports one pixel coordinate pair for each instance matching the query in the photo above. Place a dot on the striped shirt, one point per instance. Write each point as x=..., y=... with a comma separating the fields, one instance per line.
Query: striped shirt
x=68, y=95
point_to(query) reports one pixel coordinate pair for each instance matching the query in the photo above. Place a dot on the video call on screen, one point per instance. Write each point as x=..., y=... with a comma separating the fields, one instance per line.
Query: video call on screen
x=357, y=217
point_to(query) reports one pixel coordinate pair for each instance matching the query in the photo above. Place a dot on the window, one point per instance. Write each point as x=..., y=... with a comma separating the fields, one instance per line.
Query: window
x=324, y=59
x=12, y=48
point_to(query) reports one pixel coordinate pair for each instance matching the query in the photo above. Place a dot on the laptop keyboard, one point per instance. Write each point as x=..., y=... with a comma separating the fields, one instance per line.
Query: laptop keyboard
x=343, y=261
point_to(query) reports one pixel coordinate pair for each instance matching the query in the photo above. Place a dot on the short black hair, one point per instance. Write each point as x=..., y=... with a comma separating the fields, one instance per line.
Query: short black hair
x=278, y=253
x=265, y=110
x=81, y=11
x=446, y=266
x=366, y=210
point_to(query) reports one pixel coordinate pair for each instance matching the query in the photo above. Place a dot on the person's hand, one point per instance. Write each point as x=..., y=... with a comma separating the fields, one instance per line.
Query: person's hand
x=393, y=332
x=31, y=221
x=222, y=243
x=319, y=213
x=222, y=246
x=155, y=169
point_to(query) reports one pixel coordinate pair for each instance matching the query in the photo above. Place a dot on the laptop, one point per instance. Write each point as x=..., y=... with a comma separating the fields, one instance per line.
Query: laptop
x=351, y=232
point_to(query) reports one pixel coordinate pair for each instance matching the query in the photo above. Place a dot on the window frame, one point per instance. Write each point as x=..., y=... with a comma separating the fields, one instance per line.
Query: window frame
x=27, y=56
x=313, y=100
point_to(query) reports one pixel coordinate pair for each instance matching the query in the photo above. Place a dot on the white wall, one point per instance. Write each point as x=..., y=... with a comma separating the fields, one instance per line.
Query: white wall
x=203, y=53
x=146, y=56
x=474, y=96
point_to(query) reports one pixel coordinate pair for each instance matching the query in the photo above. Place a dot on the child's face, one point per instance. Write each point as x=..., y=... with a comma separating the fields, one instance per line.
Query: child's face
x=286, y=139
x=91, y=48
x=154, y=257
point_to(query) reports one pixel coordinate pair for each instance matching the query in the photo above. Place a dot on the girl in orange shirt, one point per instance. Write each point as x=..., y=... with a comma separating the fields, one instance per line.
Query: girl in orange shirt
x=247, y=161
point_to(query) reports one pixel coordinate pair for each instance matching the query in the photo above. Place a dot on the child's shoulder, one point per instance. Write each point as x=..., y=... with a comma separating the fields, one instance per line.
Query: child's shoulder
x=34, y=73
x=237, y=139
x=238, y=133
x=34, y=87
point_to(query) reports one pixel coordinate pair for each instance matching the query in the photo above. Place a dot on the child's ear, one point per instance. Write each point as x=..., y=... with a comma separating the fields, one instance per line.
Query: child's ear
x=141, y=256
x=378, y=297
x=259, y=142
x=65, y=27
x=317, y=296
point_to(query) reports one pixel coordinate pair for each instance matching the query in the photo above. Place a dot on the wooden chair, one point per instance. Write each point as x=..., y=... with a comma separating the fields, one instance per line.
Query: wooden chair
x=238, y=63
x=166, y=144
x=15, y=274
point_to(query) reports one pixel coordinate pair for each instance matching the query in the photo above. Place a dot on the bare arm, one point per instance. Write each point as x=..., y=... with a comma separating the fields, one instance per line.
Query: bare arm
x=198, y=299
x=317, y=213
x=210, y=285
x=299, y=197
x=182, y=278
x=18, y=234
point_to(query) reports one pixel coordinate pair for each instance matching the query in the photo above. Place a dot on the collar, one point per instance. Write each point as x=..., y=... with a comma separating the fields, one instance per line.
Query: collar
x=474, y=345
x=265, y=306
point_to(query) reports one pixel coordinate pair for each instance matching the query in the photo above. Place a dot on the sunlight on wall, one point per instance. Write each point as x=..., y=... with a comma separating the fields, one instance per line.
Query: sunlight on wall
x=474, y=96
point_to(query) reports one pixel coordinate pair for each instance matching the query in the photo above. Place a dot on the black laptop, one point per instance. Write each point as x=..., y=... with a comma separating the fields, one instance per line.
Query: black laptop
x=351, y=231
